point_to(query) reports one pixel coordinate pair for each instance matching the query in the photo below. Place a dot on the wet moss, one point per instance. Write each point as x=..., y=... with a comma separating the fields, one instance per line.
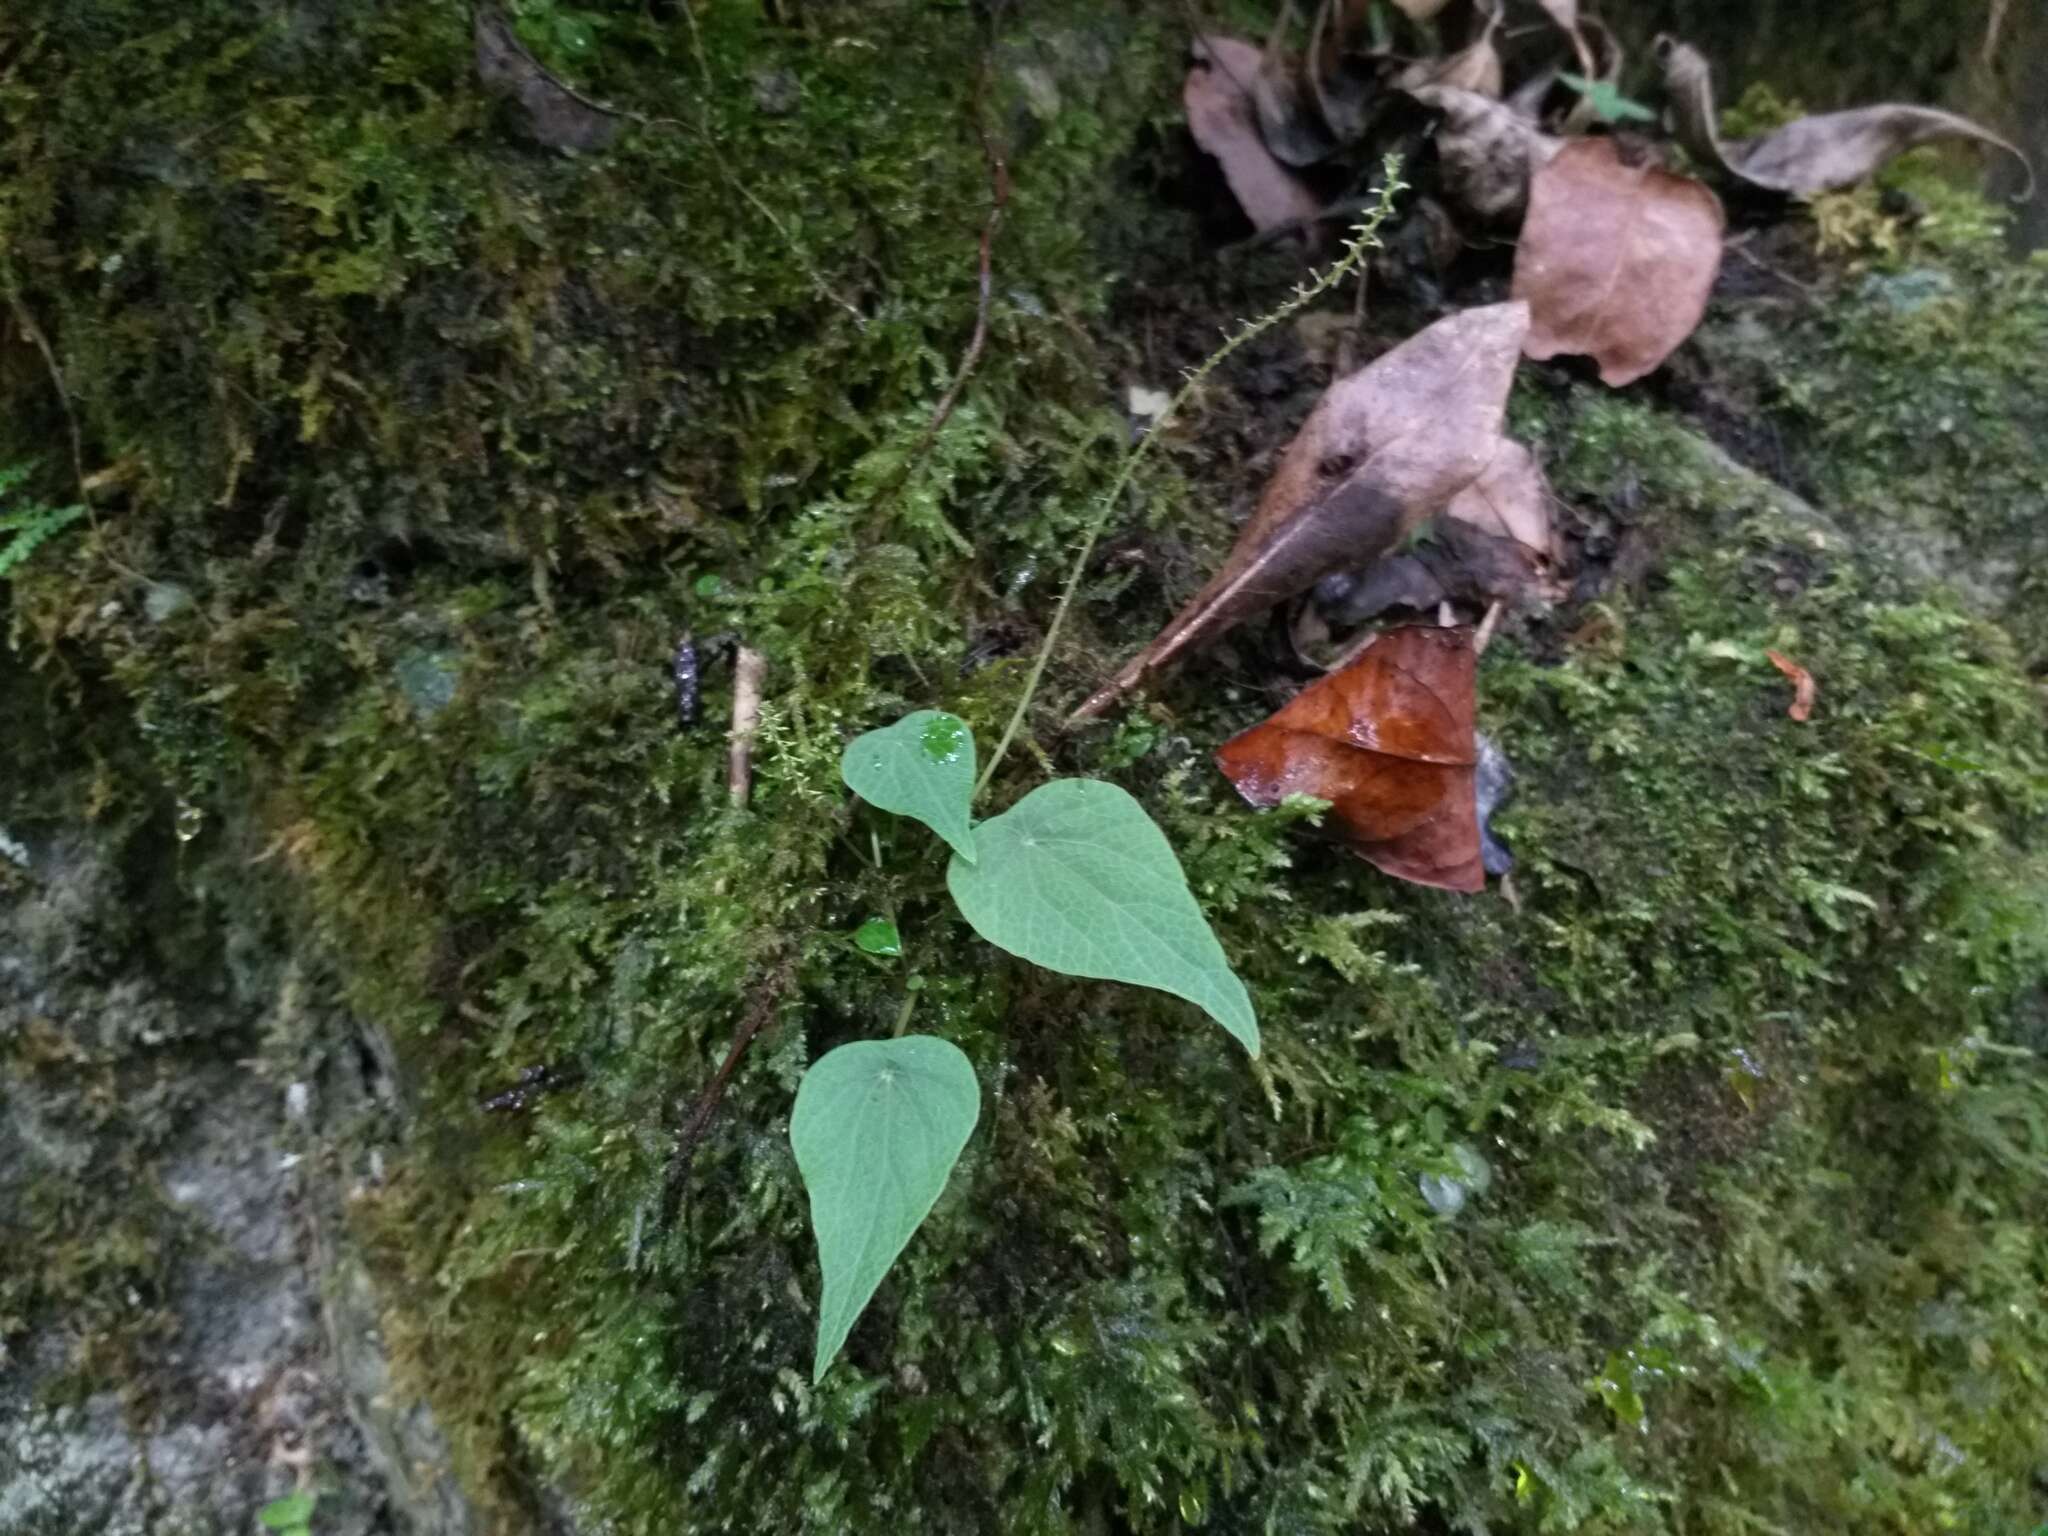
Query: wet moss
x=468, y=434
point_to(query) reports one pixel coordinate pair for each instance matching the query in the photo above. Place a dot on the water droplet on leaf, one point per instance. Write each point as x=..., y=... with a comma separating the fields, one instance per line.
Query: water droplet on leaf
x=943, y=738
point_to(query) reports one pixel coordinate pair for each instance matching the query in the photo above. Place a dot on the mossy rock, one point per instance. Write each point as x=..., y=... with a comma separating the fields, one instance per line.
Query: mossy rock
x=450, y=439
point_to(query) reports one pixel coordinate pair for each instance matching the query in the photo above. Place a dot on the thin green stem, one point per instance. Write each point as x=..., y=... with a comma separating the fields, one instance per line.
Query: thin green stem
x=1363, y=241
x=903, y=1017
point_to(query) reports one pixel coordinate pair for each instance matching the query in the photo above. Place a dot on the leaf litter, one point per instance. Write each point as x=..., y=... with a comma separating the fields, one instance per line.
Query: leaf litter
x=1400, y=490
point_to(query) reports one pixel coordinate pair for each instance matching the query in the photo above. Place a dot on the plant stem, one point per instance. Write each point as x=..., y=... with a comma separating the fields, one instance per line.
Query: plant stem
x=1364, y=239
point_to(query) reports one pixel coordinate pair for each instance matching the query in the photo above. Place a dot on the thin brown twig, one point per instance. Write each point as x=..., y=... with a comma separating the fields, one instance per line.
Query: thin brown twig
x=999, y=200
x=767, y=998
x=34, y=332
x=702, y=129
x=1992, y=29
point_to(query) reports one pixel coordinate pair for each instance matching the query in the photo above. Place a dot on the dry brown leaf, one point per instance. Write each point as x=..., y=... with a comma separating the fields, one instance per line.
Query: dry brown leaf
x=557, y=116
x=1385, y=448
x=1475, y=68
x=1290, y=116
x=1342, y=82
x=1486, y=151
x=1804, y=690
x=1493, y=543
x=1224, y=121
x=1510, y=500
x=1823, y=153
x=1615, y=260
x=1389, y=742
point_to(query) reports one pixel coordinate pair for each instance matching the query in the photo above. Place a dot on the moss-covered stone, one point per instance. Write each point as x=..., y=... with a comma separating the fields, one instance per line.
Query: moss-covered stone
x=449, y=439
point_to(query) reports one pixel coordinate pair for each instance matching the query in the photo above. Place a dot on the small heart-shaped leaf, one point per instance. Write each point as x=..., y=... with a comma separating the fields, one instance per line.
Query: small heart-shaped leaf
x=1077, y=878
x=878, y=936
x=878, y=1125
x=921, y=767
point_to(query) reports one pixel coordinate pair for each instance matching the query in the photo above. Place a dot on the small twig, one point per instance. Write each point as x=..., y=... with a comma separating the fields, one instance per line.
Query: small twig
x=749, y=672
x=1483, y=636
x=702, y=129
x=34, y=333
x=999, y=182
x=766, y=1000
x=1739, y=245
x=1349, y=343
x=1992, y=29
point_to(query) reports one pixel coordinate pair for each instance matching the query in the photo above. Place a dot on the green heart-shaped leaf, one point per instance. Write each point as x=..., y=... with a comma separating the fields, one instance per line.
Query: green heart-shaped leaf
x=921, y=767
x=1077, y=878
x=878, y=1125
x=287, y=1513
x=879, y=936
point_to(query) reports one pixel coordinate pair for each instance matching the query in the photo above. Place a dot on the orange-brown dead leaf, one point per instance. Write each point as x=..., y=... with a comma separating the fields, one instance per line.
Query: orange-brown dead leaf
x=1389, y=742
x=1804, y=690
x=1224, y=120
x=1615, y=260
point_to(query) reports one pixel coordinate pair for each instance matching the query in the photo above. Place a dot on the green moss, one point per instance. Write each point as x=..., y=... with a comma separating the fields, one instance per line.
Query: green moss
x=449, y=439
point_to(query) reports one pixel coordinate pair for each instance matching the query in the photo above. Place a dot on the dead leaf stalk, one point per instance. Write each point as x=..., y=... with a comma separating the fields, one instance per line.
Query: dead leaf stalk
x=999, y=199
x=767, y=998
x=750, y=672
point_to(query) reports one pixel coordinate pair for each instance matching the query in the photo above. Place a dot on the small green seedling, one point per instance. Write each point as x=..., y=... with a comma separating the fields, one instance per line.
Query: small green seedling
x=24, y=529
x=291, y=1515
x=1607, y=102
x=878, y=936
x=1074, y=877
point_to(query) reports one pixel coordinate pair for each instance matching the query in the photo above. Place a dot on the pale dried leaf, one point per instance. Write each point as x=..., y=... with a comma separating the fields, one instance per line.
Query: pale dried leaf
x=1615, y=260
x=1385, y=448
x=1510, y=500
x=1811, y=155
x=1487, y=152
x=1475, y=68
x=1224, y=121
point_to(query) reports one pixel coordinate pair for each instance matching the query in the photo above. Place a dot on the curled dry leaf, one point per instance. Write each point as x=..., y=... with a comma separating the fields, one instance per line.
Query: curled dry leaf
x=1823, y=153
x=1493, y=543
x=1804, y=691
x=557, y=116
x=1290, y=116
x=1341, y=77
x=1389, y=742
x=1475, y=68
x=1487, y=151
x=1510, y=501
x=1615, y=260
x=1224, y=121
x=1385, y=448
